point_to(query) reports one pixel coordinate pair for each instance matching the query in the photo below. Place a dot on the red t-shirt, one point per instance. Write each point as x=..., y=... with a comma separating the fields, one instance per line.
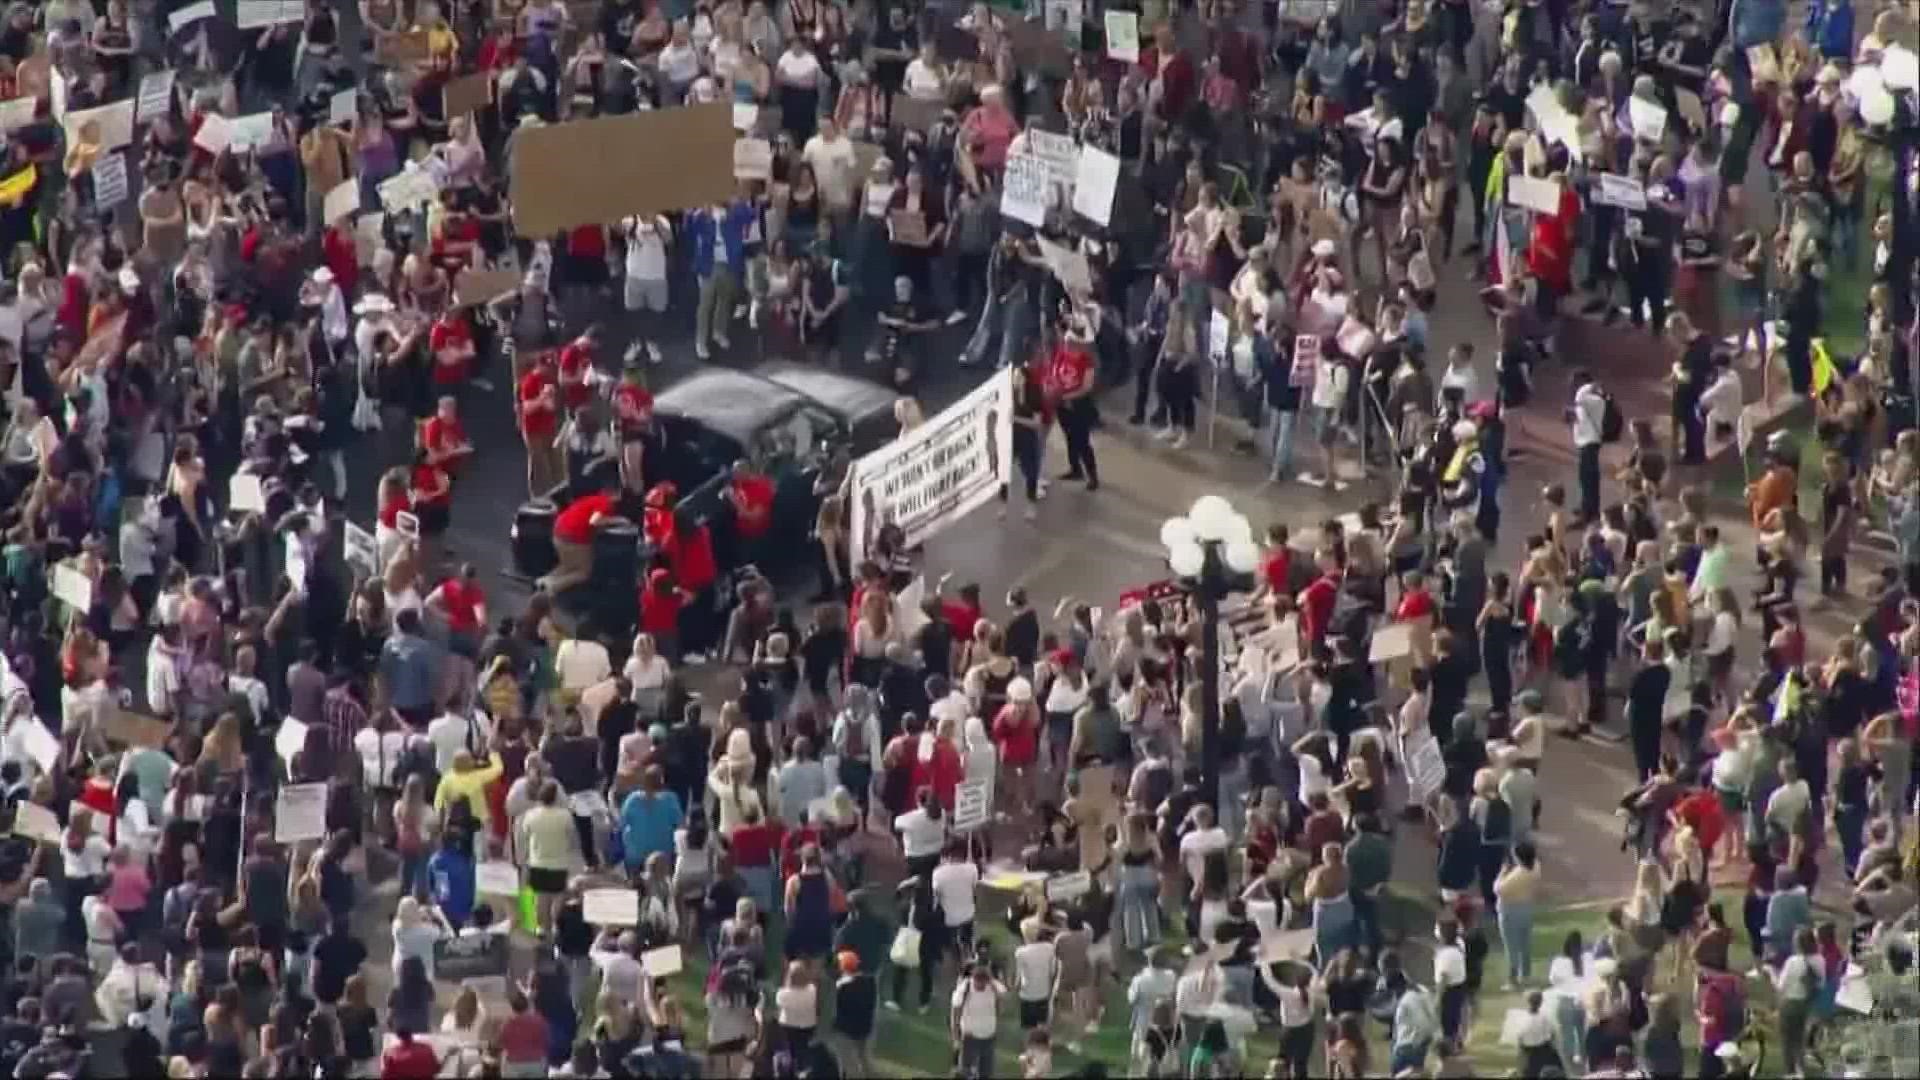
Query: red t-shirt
x=409, y=1061
x=693, y=562
x=463, y=602
x=1702, y=813
x=464, y=231
x=659, y=610
x=1019, y=739
x=575, y=523
x=575, y=361
x=523, y=1037
x=1277, y=568
x=451, y=342
x=754, y=845
x=440, y=435
x=391, y=509
x=428, y=478
x=537, y=421
x=1413, y=605
x=753, y=505
x=337, y=251
x=1067, y=370
x=961, y=618
x=1316, y=610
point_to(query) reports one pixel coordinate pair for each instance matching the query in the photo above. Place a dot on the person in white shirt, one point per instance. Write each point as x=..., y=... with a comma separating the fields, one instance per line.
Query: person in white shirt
x=797, y=1005
x=976, y=1020
x=619, y=964
x=1798, y=985
x=1790, y=801
x=923, y=832
x=648, y=239
x=1036, y=973
x=1588, y=416
x=926, y=77
x=1330, y=386
x=1450, y=975
x=1205, y=839
x=132, y=988
x=835, y=166
x=580, y=662
x=954, y=882
x=1194, y=997
x=451, y=733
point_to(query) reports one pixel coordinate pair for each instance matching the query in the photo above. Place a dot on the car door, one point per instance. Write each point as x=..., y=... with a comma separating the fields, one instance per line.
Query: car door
x=792, y=451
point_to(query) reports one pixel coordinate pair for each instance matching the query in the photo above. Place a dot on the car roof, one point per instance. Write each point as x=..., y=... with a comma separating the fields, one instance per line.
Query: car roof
x=734, y=403
x=853, y=400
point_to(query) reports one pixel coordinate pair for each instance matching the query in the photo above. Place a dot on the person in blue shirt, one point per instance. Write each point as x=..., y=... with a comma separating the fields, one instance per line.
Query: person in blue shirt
x=451, y=874
x=1830, y=28
x=648, y=819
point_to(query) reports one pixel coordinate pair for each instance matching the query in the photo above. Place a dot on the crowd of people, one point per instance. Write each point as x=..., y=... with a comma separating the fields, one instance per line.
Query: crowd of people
x=287, y=803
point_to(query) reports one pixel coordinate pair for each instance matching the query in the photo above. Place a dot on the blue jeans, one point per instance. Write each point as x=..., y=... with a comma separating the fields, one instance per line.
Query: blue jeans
x=1410, y=1056
x=1280, y=446
x=413, y=875
x=1516, y=937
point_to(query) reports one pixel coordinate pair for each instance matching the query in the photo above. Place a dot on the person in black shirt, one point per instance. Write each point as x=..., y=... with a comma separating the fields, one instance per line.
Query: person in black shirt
x=854, y=999
x=895, y=43
x=897, y=348
x=336, y=956
x=1690, y=376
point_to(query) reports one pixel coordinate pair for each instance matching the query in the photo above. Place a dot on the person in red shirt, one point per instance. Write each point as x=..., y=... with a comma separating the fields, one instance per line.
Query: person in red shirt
x=1316, y=606
x=1701, y=811
x=751, y=494
x=337, y=251
x=1550, y=250
x=576, y=364
x=573, y=538
x=1166, y=65
x=451, y=343
x=963, y=613
x=1016, y=731
x=539, y=404
x=633, y=413
x=407, y=1059
x=1276, y=564
x=444, y=437
x=1416, y=600
x=459, y=237
x=522, y=1038
x=1069, y=383
x=431, y=492
x=464, y=604
x=660, y=604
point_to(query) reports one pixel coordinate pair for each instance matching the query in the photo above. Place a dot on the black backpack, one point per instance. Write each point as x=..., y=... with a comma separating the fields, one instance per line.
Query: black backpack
x=1613, y=423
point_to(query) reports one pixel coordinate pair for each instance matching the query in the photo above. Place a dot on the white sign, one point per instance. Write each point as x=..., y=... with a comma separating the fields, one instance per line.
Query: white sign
x=250, y=132
x=1060, y=152
x=1426, y=769
x=38, y=742
x=1025, y=193
x=192, y=13
x=17, y=113
x=253, y=14
x=497, y=878
x=156, y=95
x=300, y=814
x=972, y=804
x=407, y=524
x=72, y=588
x=752, y=159
x=745, y=115
x=1553, y=121
x=611, y=907
x=360, y=550
x=1218, y=332
x=110, y=179
x=1064, y=887
x=939, y=472
x=343, y=107
x=1095, y=177
x=1123, y=36
x=1068, y=265
x=1540, y=196
x=661, y=963
x=36, y=822
x=290, y=739
x=1612, y=189
x=215, y=133
x=1649, y=118
x=343, y=201
x=1306, y=361
x=111, y=126
x=245, y=495
x=411, y=188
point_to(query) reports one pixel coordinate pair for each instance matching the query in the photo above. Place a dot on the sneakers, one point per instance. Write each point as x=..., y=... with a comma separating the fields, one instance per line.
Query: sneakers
x=1179, y=440
x=722, y=341
x=700, y=350
x=1311, y=480
x=1164, y=434
x=956, y=317
x=891, y=1005
x=483, y=385
x=654, y=355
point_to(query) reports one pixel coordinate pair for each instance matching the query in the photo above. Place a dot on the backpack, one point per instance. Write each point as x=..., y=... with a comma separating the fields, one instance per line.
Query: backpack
x=1498, y=828
x=854, y=743
x=1612, y=423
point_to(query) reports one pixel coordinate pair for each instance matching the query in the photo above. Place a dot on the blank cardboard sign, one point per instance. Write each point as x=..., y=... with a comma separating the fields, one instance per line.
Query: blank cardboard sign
x=593, y=172
x=467, y=93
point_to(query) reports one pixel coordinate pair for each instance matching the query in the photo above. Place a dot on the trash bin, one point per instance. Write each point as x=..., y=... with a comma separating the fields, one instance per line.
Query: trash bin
x=532, y=539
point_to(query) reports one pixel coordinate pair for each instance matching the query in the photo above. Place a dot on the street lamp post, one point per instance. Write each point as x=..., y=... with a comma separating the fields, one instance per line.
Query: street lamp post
x=1212, y=553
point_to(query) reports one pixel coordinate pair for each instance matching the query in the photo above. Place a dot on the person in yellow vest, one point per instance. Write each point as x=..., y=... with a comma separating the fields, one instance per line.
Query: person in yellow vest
x=468, y=780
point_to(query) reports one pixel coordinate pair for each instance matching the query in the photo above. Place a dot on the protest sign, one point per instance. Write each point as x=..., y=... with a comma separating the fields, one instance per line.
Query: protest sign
x=38, y=742
x=36, y=822
x=611, y=907
x=481, y=286
x=244, y=494
x=342, y=202
x=290, y=739
x=745, y=113
x=254, y=14
x=156, y=96
x=360, y=551
x=914, y=114
x=972, y=804
x=1426, y=769
x=1062, y=888
x=1649, y=119
x=1123, y=36
x=471, y=956
x=214, y=134
x=662, y=963
x=189, y=15
x=72, y=588
x=937, y=473
x=300, y=813
x=1540, y=196
x=1068, y=265
x=110, y=179
x=124, y=727
x=250, y=132
x=466, y=94
x=752, y=159
x=1025, y=193
x=408, y=189
x=108, y=126
x=909, y=227
x=1287, y=945
x=1624, y=192
x=343, y=107
x=17, y=113
x=497, y=878
x=588, y=172
x=1038, y=49
x=1060, y=153
x=1219, y=331
x=1095, y=178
